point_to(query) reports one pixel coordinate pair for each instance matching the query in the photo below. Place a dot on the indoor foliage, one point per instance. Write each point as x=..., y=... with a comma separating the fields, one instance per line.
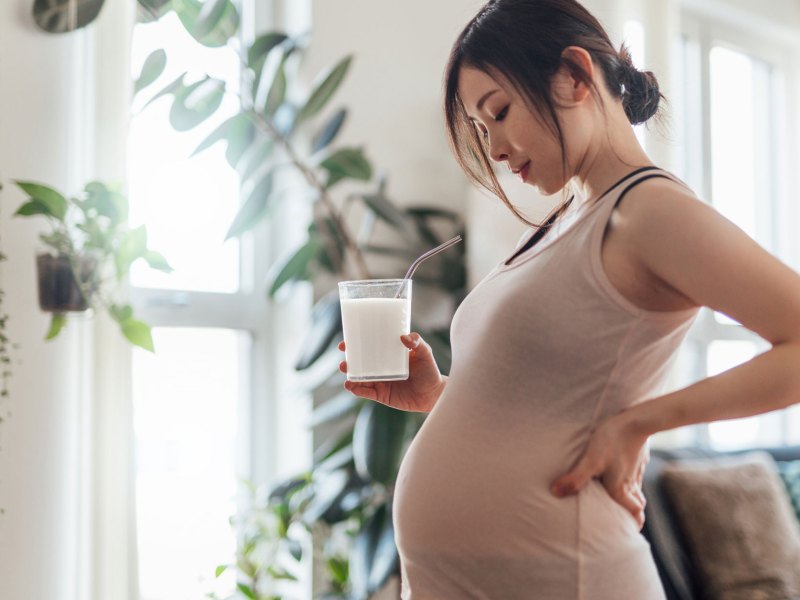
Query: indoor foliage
x=281, y=128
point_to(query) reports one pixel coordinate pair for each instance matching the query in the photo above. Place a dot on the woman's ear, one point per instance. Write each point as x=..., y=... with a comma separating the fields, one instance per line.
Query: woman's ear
x=567, y=86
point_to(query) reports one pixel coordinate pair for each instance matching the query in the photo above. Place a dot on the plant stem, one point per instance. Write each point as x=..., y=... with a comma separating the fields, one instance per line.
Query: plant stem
x=311, y=177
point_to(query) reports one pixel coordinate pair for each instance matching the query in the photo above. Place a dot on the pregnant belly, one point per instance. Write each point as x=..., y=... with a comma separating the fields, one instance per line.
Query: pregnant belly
x=483, y=488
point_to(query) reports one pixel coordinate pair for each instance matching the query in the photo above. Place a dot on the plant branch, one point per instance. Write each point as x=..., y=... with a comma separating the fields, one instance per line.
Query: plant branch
x=313, y=180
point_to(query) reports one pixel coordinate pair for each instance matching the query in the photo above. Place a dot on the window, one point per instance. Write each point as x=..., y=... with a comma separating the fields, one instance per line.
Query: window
x=733, y=156
x=191, y=402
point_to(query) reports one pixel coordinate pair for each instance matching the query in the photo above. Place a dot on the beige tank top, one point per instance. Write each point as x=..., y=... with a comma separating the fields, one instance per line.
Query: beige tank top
x=543, y=349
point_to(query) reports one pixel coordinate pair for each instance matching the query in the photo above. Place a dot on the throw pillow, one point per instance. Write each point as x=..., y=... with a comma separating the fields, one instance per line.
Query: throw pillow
x=738, y=521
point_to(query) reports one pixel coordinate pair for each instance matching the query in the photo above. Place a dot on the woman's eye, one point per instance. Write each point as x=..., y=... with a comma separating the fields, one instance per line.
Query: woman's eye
x=485, y=134
x=502, y=114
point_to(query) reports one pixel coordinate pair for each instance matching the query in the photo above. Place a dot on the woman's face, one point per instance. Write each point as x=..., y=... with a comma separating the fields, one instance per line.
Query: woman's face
x=514, y=135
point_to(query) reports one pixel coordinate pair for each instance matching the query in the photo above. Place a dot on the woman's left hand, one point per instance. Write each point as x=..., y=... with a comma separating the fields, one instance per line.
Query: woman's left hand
x=616, y=455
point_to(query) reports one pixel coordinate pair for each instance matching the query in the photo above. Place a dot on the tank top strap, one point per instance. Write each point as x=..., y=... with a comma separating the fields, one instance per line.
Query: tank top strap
x=613, y=199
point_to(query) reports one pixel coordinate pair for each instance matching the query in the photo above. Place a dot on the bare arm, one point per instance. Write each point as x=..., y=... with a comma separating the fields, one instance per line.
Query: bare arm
x=691, y=247
x=694, y=250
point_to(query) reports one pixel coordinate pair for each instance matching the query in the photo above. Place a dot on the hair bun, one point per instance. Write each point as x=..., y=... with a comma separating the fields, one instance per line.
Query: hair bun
x=640, y=92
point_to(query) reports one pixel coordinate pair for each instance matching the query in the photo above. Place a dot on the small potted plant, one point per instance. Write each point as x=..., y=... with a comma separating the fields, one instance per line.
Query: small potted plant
x=87, y=253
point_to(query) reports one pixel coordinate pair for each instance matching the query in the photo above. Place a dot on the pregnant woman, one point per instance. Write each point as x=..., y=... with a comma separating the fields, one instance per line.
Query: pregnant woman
x=525, y=479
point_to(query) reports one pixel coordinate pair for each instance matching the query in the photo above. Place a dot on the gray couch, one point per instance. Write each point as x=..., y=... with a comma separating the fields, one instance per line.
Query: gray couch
x=669, y=548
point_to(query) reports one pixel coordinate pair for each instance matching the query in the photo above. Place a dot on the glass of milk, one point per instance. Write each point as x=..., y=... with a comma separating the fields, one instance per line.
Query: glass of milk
x=374, y=316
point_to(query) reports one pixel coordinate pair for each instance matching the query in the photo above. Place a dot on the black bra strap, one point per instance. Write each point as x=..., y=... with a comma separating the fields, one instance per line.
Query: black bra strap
x=637, y=182
x=543, y=229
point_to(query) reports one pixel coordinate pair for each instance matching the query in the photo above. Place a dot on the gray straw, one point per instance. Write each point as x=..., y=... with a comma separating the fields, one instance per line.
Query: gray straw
x=427, y=255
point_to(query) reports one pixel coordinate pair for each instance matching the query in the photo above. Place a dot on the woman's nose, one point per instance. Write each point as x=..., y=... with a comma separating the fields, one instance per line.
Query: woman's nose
x=497, y=150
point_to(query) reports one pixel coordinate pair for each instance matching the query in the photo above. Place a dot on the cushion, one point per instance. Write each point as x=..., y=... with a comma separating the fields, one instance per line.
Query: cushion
x=739, y=525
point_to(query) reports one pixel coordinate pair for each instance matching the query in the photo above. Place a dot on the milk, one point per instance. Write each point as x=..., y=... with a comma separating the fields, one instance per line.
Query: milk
x=372, y=330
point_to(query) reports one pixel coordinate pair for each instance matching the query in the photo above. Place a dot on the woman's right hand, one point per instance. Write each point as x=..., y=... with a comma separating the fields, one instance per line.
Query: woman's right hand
x=417, y=393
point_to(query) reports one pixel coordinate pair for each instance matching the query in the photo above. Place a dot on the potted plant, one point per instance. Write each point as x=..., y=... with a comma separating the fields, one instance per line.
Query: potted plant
x=86, y=254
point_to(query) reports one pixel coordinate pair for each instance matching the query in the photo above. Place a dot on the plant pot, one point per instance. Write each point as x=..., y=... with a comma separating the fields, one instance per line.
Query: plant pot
x=58, y=290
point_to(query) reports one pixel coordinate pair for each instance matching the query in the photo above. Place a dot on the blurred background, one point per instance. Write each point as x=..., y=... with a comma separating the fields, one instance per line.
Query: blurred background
x=120, y=468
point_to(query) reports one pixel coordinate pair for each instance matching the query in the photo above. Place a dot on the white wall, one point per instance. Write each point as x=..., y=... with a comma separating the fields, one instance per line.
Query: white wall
x=53, y=130
x=38, y=459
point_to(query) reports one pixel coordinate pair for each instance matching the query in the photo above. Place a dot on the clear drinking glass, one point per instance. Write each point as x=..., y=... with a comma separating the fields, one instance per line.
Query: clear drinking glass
x=375, y=313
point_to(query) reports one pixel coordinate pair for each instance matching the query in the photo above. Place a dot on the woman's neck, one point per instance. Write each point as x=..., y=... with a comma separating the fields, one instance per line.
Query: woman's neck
x=614, y=152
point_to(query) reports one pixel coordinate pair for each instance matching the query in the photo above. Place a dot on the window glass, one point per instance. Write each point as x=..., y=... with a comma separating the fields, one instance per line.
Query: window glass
x=187, y=425
x=633, y=32
x=186, y=203
x=734, y=433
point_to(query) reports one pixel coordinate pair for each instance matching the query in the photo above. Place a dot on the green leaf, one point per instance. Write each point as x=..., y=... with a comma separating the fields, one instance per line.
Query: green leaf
x=157, y=261
x=120, y=313
x=337, y=407
x=132, y=247
x=272, y=83
x=295, y=266
x=328, y=489
x=239, y=133
x=212, y=27
x=277, y=91
x=328, y=83
x=152, y=69
x=285, y=490
x=331, y=446
x=57, y=322
x=378, y=437
x=56, y=203
x=171, y=88
x=220, y=570
x=33, y=207
x=254, y=207
x=346, y=163
x=296, y=550
x=138, y=333
x=338, y=568
x=328, y=132
x=152, y=10
x=209, y=17
x=326, y=325
x=261, y=46
x=195, y=103
x=374, y=556
x=58, y=17
x=254, y=157
x=338, y=460
x=385, y=210
x=246, y=590
x=107, y=201
x=280, y=574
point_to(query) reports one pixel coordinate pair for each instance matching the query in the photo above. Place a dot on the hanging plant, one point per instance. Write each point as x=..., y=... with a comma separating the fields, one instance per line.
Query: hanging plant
x=87, y=253
x=62, y=16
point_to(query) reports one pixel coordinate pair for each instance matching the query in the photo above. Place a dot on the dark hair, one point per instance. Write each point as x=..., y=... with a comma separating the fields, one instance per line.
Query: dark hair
x=522, y=41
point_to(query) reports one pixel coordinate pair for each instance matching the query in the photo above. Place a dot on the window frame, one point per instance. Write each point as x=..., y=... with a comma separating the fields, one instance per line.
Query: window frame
x=705, y=30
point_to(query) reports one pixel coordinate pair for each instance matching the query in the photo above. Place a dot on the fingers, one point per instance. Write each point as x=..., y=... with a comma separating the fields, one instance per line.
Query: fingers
x=632, y=499
x=362, y=390
x=419, y=349
x=343, y=366
x=573, y=482
x=341, y=346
